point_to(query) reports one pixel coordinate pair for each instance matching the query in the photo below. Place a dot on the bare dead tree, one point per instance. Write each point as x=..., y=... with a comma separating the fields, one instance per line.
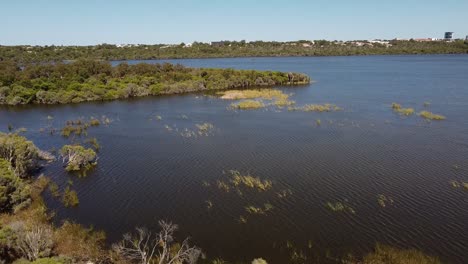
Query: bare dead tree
x=33, y=243
x=145, y=247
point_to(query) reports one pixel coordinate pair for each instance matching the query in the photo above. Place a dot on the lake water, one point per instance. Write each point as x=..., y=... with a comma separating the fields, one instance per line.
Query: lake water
x=148, y=171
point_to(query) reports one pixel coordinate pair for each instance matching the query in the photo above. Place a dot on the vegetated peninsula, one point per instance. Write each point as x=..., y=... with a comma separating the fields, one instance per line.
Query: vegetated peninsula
x=229, y=49
x=90, y=80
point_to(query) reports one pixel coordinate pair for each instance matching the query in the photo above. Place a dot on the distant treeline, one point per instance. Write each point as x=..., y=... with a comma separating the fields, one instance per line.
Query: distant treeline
x=228, y=49
x=90, y=80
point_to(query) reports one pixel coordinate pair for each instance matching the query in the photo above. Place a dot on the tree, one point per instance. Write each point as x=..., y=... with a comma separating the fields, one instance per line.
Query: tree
x=146, y=247
x=77, y=157
x=22, y=154
x=33, y=243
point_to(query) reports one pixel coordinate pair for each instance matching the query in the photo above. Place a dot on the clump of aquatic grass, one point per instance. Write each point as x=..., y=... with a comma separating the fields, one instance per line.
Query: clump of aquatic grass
x=426, y=104
x=223, y=186
x=249, y=181
x=248, y=104
x=387, y=254
x=77, y=130
x=384, y=200
x=242, y=219
x=316, y=108
x=459, y=184
x=93, y=142
x=267, y=94
x=259, y=261
x=187, y=133
x=318, y=122
x=259, y=210
x=54, y=189
x=70, y=198
x=283, y=102
x=279, y=98
x=94, y=122
x=340, y=207
x=254, y=210
x=219, y=261
x=284, y=193
x=430, y=116
x=80, y=127
x=206, y=184
x=403, y=111
x=204, y=129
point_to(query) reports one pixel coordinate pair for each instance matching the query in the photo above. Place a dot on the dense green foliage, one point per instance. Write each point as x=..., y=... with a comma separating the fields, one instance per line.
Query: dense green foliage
x=22, y=154
x=86, y=80
x=77, y=157
x=227, y=49
x=14, y=193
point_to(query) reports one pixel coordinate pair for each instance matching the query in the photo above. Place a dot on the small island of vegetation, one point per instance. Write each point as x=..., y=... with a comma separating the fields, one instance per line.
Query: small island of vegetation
x=87, y=80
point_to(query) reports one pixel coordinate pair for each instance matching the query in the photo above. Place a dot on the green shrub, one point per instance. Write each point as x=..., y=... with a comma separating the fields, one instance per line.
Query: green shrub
x=77, y=157
x=70, y=198
x=22, y=154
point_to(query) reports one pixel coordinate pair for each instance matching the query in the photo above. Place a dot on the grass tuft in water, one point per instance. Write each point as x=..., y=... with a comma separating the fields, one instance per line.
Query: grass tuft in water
x=70, y=198
x=384, y=200
x=340, y=207
x=403, y=111
x=430, y=116
x=316, y=108
x=249, y=181
x=248, y=104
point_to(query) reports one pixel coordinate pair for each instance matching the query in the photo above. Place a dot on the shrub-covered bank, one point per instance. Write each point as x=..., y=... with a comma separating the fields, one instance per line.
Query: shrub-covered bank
x=88, y=80
x=229, y=49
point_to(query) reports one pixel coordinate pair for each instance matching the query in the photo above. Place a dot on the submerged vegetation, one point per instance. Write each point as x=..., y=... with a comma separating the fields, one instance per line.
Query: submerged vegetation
x=257, y=98
x=390, y=255
x=340, y=207
x=430, y=116
x=459, y=184
x=384, y=200
x=248, y=104
x=409, y=111
x=403, y=111
x=70, y=198
x=316, y=108
x=237, y=179
x=87, y=80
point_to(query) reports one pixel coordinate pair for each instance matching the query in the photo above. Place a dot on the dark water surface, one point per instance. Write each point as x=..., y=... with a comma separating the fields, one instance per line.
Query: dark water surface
x=146, y=172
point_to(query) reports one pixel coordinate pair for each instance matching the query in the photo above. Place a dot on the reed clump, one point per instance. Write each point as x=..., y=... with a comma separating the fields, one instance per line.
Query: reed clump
x=277, y=97
x=384, y=200
x=430, y=116
x=340, y=207
x=70, y=198
x=249, y=181
x=316, y=108
x=403, y=111
x=248, y=104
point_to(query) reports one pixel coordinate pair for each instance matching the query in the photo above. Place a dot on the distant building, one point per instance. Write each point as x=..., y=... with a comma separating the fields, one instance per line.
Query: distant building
x=466, y=39
x=448, y=36
x=423, y=39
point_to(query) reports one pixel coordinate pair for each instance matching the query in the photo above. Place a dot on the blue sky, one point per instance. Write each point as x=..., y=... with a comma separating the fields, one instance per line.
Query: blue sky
x=85, y=22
